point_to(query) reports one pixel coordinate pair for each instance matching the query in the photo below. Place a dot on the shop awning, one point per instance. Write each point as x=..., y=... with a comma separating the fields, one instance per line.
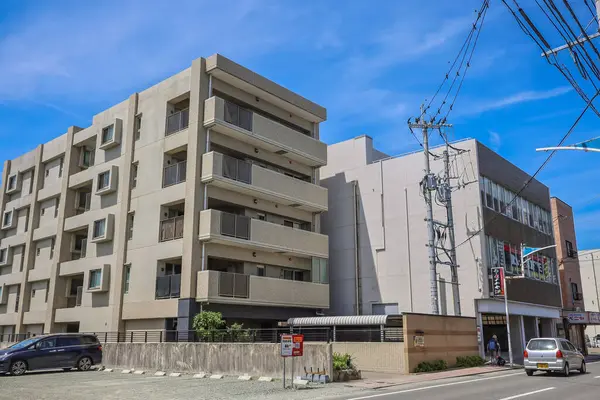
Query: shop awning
x=356, y=320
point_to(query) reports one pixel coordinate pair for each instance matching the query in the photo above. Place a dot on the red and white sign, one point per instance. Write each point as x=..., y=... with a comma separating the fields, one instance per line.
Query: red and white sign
x=498, y=282
x=292, y=345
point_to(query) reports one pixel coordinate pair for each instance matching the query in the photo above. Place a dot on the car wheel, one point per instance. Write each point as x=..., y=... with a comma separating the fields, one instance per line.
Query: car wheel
x=18, y=368
x=529, y=372
x=583, y=368
x=84, y=364
x=566, y=369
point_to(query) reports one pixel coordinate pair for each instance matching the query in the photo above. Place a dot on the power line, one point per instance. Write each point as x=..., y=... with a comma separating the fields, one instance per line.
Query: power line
x=564, y=138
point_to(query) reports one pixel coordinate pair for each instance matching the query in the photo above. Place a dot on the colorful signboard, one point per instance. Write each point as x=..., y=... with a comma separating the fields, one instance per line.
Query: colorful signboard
x=498, y=282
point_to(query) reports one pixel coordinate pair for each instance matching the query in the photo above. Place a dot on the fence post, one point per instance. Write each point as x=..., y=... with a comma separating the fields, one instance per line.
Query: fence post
x=105, y=337
x=160, y=339
x=145, y=336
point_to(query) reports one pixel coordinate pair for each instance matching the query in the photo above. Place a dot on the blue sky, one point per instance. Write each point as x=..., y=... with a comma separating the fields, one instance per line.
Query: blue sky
x=63, y=61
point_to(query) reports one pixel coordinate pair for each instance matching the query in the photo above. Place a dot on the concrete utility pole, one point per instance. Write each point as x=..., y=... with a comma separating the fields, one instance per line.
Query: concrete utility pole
x=447, y=192
x=429, y=184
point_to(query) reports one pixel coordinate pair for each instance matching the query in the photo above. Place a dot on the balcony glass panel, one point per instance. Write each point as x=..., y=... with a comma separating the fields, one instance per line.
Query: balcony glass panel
x=178, y=121
x=174, y=174
x=171, y=228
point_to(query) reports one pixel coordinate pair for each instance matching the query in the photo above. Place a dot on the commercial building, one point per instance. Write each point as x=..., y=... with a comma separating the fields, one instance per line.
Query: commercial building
x=569, y=271
x=201, y=192
x=377, y=233
x=589, y=261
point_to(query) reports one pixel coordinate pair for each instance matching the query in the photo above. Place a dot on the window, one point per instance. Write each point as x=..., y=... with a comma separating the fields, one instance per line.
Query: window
x=7, y=220
x=32, y=293
x=108, y=134
x=95, y=279
x=52, y=249
x=56, y=207
x=43, y=211
x=262, y=216
x=531, y=216
x=570, y=252
x=89, y=340
x=3, y=253
x=502, y=197
x=131, y=217
x=65, y=341
x=488, y=193
x=12, y=182
x=172, y=269
x=127, y=278
x=60, y=167
x=138, y=126
x=99, y=228
x=260, y=270
x=47, y=174
x=495, y=195
x=574, y=291
x=134, y=174
x=87, y=157
x=38, y=251
x=288, y=223
x=103, y=180
x=46, y=344
x=320, y=272
x=541, y=344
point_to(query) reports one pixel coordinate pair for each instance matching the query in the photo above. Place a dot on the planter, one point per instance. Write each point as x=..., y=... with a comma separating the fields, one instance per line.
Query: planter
x=346, y=375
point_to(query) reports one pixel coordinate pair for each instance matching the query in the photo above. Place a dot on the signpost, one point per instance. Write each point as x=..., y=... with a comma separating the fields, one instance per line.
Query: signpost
x=292, y=345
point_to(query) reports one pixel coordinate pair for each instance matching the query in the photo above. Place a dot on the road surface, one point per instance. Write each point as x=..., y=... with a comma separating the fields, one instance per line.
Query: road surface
x=510, y=385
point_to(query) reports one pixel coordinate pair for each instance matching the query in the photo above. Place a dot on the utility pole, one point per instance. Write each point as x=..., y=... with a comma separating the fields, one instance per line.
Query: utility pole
x=429, y=184
x=447, y=192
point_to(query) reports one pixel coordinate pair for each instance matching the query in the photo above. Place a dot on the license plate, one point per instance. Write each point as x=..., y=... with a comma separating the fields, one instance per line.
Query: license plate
x=543, y=366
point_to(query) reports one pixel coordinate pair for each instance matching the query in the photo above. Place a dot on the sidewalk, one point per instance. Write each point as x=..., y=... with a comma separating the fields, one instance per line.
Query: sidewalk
x=376, y=380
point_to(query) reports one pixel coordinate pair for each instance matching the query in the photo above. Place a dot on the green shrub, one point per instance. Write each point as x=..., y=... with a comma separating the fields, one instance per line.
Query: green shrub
x=208, y=325
x=342, y=361
x=431, y=366
x=469, y=361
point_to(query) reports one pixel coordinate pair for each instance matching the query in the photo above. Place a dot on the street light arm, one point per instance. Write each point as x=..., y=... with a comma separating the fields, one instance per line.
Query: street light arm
x=568, y=148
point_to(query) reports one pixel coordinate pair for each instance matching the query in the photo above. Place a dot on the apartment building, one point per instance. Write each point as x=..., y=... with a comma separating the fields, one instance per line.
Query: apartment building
x=569, y=271
x=199, y=193
x=377, y=231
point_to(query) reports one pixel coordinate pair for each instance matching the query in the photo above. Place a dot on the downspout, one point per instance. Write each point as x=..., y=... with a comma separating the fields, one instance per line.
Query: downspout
x=410, y=292
x=356, y=251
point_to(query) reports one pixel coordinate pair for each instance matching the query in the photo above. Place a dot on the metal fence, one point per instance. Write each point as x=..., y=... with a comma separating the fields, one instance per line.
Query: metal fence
x=234, y=285
x=171, y=228
x=174, y=174
x=238, y=170
x=168, y=286
x=235, y=225
x=238, y=116
x=178, y=121
x=313, y=334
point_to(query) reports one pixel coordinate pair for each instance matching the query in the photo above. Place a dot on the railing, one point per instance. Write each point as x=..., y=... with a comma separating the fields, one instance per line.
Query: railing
x=235, y=225
x=238, y=116
x=171, y=228
x=178, y=121
x=234, y=285
x=174, y=174
x=168, y=287
x=75, y=301
x=237, y=170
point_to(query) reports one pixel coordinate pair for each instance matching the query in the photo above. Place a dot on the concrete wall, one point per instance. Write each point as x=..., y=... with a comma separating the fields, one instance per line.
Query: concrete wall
x=257, y=359
x=445, y=339
x=589, y=261
x=373, y=356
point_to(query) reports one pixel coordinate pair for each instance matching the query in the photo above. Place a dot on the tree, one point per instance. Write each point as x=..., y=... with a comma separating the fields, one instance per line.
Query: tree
x=208, y=325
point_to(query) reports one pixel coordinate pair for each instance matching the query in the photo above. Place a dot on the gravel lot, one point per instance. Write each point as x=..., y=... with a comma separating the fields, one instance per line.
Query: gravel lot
x=114, y=385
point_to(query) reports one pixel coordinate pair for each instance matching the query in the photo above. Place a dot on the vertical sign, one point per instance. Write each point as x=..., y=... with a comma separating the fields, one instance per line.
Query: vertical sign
x=287, y=345
x=498, y=282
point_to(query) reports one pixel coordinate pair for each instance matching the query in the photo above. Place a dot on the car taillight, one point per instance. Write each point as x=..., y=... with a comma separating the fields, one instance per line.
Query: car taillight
x=559, y=354
x=100, y=347
x=525, y=354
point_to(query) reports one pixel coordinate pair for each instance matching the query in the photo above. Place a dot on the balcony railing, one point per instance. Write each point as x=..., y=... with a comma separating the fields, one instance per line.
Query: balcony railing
x=234, y=285
x=75, y=301
x=171, y=228
x=238, y=116
x=237, y=226
x=168, y=287
x=237, y=170
x=178, y=121
x=174, y=174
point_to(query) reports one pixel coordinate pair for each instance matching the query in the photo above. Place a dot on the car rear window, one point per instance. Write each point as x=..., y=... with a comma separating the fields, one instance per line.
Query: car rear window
x=68, y=341
x=542, y=344
x=89, y=339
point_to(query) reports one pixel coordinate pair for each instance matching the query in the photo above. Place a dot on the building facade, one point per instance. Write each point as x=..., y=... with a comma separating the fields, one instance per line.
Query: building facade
x=377, y=231
x=569, y=271
x=201, y=192
x=589, y=261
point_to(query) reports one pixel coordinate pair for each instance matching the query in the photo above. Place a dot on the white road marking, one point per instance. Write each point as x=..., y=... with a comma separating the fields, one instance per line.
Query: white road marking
x=596, y=377
x=434, y=386
x=528, y=393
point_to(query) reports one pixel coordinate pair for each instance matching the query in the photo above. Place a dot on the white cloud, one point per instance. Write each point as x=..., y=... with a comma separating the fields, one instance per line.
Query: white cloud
x=517, y=98
x=495, y=140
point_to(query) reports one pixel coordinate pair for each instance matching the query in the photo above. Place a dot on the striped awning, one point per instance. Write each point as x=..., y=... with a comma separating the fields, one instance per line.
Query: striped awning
x=339, y=320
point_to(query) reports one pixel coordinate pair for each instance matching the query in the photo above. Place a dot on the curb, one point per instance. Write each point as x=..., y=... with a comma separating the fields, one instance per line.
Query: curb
x=201, y=375
x=175, y=374
x=138, y=372
x=244, y=378
x=216, y=377
x=265, y=379
x=160, y=373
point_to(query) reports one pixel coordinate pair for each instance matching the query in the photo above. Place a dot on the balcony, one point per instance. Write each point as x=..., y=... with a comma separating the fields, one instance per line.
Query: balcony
x=224, y=287
x=232, y=120
x=242, y=231
x=168, y=287
x=174, y=174
x=171, y=229
x=75, y=301
x=177, y=121
x=250, y=179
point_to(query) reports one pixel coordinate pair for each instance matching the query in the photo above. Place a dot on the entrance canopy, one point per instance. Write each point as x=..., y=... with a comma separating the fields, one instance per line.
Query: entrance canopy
x=346, y=320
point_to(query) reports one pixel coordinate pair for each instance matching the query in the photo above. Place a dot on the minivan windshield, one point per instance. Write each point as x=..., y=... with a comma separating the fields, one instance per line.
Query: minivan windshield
x=542, y=344
x=23, y=344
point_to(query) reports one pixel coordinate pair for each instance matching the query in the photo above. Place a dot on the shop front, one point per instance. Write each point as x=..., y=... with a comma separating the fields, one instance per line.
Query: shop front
x=527, y=321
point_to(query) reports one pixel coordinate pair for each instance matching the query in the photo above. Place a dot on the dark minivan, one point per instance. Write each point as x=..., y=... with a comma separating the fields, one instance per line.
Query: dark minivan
x=64, y=351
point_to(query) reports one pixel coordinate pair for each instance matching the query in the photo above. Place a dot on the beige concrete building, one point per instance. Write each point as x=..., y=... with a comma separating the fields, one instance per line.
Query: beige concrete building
x=589, y=261
x=377, y=231
x=199, y=192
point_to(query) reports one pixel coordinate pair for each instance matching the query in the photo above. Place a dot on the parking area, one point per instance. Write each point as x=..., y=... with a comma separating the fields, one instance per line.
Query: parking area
x=114, y=385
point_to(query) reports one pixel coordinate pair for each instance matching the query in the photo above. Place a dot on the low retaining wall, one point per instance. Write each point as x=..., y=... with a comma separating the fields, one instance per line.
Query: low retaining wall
x=256, y=359
x=4, y=345
x=374, y=356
